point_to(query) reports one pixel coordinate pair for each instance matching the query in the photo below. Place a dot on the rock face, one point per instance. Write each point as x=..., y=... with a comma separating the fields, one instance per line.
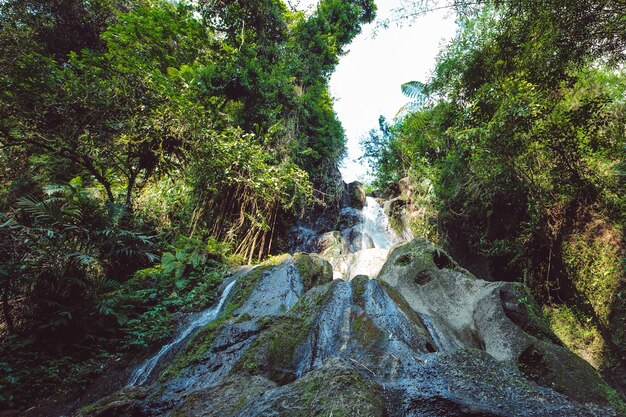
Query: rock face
x=359, y=326
x=356, y=194
x=426, y=338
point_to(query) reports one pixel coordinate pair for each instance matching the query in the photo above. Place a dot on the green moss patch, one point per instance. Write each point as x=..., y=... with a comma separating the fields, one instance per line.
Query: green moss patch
x=336, y=390
x=578, y=332
x=271, y=354
x=126, y=402
x=313, y=269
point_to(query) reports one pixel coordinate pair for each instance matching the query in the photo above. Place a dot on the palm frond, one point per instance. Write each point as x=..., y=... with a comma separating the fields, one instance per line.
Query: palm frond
x=413, y=89
x=416, y=91
x=52, y=189
x=82, y=258
x=41, y=210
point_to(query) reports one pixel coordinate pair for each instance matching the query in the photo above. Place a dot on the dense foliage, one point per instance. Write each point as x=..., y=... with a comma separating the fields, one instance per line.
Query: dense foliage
x=144, y=145
x=521, y=132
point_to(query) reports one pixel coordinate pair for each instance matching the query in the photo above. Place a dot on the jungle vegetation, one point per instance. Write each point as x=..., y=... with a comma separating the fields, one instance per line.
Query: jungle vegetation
x=145, y=145
x=517, y=144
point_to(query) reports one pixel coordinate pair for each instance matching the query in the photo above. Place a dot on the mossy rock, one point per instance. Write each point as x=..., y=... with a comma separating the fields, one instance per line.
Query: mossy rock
x=272, y=353
x=336, y=389
x=356, y=195
x=358, y=288
x=330, y=245
x=124, y=403
x=420, y=259
x=313, y=269
x=395, y=210
x=201, y=342
x=560, y=369
x=225, y=399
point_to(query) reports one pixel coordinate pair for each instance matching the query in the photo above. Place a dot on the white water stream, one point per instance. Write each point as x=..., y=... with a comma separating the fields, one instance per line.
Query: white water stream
x=143, y=372
x=374, y=228
x=376, y=224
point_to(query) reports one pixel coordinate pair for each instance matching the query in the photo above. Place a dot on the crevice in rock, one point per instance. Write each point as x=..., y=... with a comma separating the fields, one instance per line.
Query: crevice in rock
x=442, y=260
x=404, y=260
x=423, y=277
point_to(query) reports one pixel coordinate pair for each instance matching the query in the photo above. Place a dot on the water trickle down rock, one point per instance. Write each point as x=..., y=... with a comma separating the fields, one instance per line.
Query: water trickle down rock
x=376, y=225
x=142, y=374
x=366, y=338
x=211, y=355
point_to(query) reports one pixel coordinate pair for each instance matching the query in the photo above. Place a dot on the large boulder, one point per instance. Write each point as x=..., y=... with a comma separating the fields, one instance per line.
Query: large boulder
x=499, y=318
x=336, y=389
x=356, y=195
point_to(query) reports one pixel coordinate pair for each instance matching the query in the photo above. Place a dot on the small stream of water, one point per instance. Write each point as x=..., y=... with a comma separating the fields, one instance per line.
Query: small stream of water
x=143, y=372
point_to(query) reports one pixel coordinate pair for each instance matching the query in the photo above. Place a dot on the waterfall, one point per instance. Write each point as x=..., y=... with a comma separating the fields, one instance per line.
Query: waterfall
x=376, y=224
x=143, y=372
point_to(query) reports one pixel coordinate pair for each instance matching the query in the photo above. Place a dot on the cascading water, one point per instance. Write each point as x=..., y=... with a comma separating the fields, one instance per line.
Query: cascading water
x=366, y=256
x=142, y=373
x=376, y=224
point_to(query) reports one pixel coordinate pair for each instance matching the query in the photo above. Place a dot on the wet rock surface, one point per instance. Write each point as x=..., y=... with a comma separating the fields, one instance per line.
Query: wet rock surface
x=425, y=338
x=356, y=194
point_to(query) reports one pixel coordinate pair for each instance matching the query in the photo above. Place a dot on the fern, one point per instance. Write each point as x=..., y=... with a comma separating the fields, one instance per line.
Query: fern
x=414, y=90
x=44, y=211
x=83, y=258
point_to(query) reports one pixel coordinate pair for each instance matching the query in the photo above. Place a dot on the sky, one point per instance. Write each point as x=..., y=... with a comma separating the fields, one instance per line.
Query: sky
x=366, y=83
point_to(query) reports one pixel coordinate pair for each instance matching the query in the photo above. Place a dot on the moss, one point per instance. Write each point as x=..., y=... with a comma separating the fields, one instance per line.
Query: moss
x=244, y=287
x=594, y=322
x=356, y=195
x=194, y=350
x=124, y=402
x=366, y=330
x=577, y=332
x=338, y=392
x=313, y=269
x=358, y=289
x=271, y=354
x=276, y=260
x=615, y=400
x=89, y=409
x=202, y=341
x=593, y=261
x=418, y=256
